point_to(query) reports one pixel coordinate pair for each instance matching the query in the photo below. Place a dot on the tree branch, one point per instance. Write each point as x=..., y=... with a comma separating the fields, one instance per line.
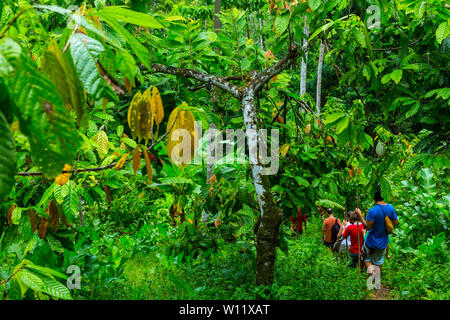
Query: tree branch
x=200, y=76
x=281, y=65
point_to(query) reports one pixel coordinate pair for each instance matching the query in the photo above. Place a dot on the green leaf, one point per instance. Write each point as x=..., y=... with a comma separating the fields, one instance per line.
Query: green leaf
x=7, y=158
x=314, y=4
x=411, y=67
x=397, y=76
x=138, y=49
x=57, y=67
x=9, y=56
x=52, y=134
x=44, y=270
x=70, y=203
x=412, y=111
x=129, y=16
x=321, y=29
x=46, y=196
x=281, y=23
x=333, y=117
x=60, y=192
x=56, y=289
x=102, y=143
x=131, y=143
x=16, y=215
x=85, y=52
x=30, y=280
x=302, y=181
x=342, y=124
x=386, y=78
x=442, y=32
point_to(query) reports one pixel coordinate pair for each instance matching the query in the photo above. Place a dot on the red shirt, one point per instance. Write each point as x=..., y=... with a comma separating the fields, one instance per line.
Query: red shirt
x=301, y=218
x=351, y=231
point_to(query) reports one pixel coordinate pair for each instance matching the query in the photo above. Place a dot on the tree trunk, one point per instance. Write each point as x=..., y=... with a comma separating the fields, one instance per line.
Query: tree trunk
x=261, y=38
x=217, y=24
x=319, y=77
x=270, y=214
x=303, y=69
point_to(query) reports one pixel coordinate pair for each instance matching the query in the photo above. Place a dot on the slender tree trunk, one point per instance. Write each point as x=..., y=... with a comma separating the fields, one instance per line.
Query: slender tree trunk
x=217, y=24
x=319, y=77
x=303, y=69
x=270, y=214
x=261, y=38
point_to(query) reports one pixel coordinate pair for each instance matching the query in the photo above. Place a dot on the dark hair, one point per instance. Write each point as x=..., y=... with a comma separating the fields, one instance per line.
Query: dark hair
x=352, y=216
x=377, y=196
x=329, y=211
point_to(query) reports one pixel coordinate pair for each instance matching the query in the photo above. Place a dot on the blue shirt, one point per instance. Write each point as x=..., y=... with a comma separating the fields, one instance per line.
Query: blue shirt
x=377, y=238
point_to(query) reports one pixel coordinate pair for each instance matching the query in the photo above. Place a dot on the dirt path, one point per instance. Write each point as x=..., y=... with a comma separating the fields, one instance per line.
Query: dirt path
x=383, y=294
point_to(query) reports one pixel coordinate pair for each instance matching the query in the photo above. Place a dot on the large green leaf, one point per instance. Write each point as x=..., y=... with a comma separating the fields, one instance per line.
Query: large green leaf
x=333, y=117
x=7, y=158
x=138, y=49
x=129, y=16
x=442, y=32
x=56, y=289
x=342, y=124
x=9, y=56
x=30, y=280
x=85, y=52
x=314, y=4
x=281, y=23
x=43, y=118
x=70, y=202
x=57, y=67
x=396, y=75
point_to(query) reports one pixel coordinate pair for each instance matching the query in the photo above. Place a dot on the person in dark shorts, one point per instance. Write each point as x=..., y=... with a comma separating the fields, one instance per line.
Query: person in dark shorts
x=377, y=239
x=327, y=236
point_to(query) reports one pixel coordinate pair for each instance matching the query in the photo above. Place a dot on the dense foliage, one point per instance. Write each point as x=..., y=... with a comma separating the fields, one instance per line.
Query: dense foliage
x=91, y=93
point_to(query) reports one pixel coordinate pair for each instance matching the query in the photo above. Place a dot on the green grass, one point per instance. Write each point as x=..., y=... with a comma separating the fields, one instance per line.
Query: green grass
x=308, y=271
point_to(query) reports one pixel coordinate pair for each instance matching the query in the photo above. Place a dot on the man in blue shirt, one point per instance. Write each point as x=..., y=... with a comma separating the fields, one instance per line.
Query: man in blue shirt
x=377, y=239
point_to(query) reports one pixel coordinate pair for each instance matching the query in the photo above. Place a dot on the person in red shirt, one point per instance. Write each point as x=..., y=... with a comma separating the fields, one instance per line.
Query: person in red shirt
x=297, y=223
x=352, y=231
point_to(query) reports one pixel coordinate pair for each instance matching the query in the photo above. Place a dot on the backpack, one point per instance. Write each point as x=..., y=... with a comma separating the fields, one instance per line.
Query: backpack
x=335, y=230
x=387, y=222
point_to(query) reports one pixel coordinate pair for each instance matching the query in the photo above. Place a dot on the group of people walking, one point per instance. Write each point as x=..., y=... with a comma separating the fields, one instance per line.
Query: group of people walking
x=365, y=239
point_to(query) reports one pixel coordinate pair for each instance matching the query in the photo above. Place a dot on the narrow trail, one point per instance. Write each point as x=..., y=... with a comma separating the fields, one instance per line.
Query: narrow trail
x=383, y=294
